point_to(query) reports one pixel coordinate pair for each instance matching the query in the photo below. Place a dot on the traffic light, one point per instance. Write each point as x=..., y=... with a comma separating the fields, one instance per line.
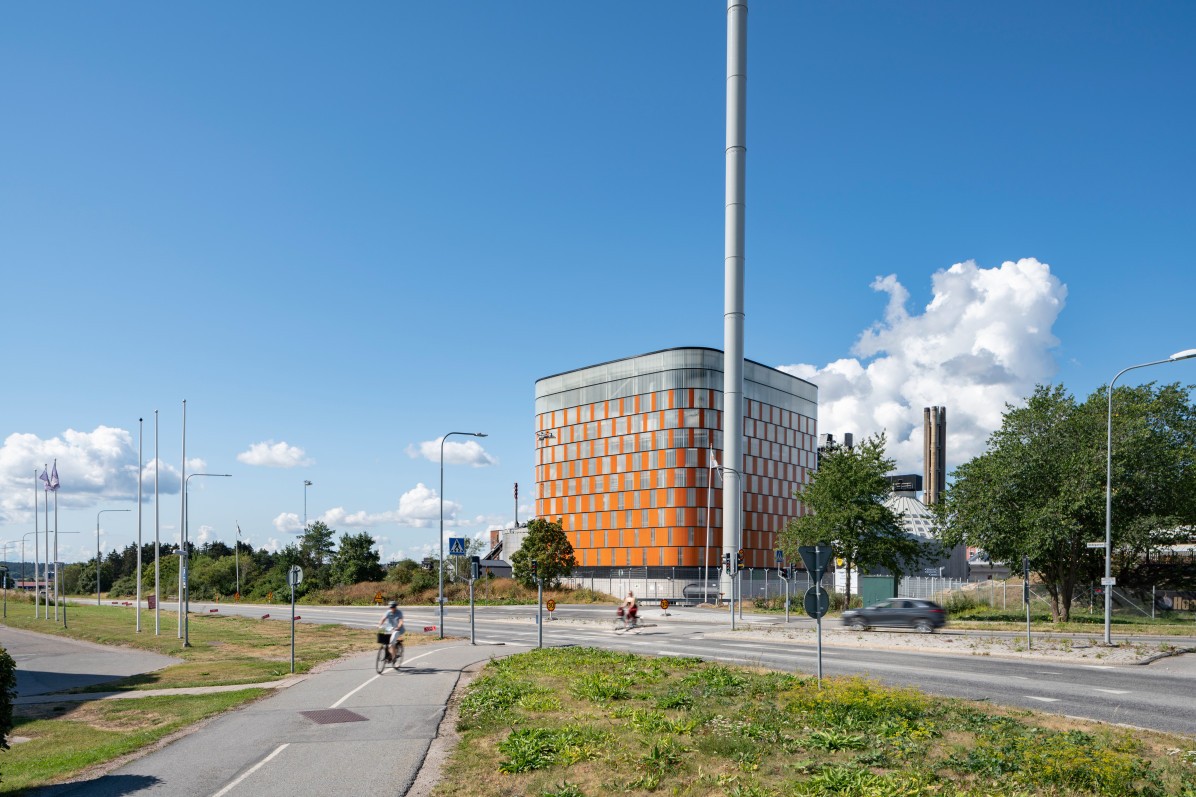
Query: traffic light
x=727, y=562
x=783, y=571
x=475, y=566
x=739, y=559
x=535, y=571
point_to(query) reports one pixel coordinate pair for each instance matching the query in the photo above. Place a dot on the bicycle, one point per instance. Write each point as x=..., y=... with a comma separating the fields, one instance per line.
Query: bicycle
x=626, y=622
x=384, y=656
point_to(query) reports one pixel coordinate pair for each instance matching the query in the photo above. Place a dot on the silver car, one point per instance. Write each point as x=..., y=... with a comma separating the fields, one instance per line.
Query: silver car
x=923, y=615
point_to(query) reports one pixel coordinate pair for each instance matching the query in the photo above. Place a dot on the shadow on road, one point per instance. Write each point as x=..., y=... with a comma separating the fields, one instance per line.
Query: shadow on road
x=104, y=786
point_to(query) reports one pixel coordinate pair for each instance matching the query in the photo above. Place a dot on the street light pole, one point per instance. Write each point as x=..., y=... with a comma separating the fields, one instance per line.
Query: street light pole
x=441, y=563
x=724, y=470
x=184, y=569
x=306, y=484
x=1106, y=584
x=102, y=511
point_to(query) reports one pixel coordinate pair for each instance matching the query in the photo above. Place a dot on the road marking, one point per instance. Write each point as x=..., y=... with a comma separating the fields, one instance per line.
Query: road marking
x=355, y=691
x=1047, y=672
x=1114, y=691
x=253, y=769
x=1098, y=666
x=1043, y=699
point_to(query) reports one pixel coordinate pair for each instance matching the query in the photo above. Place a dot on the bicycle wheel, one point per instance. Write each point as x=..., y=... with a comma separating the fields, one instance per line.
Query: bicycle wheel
x=380, y=662
x=398, y=659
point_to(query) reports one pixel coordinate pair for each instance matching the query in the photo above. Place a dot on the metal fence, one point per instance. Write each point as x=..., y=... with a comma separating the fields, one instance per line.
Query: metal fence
x=1007, y=595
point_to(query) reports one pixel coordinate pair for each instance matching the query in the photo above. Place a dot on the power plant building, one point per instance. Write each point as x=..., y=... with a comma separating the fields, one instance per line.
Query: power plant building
x=625, y=450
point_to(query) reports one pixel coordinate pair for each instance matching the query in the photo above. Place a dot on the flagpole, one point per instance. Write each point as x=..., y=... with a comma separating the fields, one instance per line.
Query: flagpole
x=237, y=561
x=157, y=572
x=46, y=537
x=57, y=594
x=37, y=565
x=182, y=519
x=140, y=435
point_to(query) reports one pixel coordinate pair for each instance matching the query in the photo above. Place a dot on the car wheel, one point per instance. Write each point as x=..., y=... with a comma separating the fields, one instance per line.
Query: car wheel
x=924, y=626
x=859, y=623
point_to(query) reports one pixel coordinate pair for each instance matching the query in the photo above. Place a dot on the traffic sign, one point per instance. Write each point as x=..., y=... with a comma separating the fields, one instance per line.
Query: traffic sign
x=456, y=546
x=550, y=605
x=1096, y=545
x=664, y=603
x=294, y=576
x=780, y=555
x=378, y=598
x=816, y=558
x=1108, y=582
x=817, y=602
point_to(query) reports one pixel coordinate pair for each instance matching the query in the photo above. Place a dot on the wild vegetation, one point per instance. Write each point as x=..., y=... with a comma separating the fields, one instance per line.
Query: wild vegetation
x=580, y=721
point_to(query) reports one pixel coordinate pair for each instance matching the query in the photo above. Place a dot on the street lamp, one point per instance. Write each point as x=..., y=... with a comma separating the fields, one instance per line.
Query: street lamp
x=1107, y=584
x=724, y=470
x=306, y=484
x=102, y=511
x=185, y=572
x=441, y=565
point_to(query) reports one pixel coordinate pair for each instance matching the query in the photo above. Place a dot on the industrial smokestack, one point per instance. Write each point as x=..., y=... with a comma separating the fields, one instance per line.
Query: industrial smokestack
x=733, y=268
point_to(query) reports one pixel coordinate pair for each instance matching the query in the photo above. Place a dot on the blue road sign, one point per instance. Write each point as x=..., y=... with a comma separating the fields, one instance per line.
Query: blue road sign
x=780, y=556
x=456, y=546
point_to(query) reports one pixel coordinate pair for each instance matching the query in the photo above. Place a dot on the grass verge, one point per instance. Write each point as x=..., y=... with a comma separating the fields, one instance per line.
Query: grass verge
x=580, y=721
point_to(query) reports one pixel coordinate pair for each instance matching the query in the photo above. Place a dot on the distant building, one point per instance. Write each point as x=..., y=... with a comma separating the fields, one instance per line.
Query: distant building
x=624, y=455
x=934, y=453
x=918, y=521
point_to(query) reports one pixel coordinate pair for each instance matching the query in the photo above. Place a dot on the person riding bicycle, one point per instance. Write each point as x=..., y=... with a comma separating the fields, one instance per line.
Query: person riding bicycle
x=632, y=610
x=392, y=621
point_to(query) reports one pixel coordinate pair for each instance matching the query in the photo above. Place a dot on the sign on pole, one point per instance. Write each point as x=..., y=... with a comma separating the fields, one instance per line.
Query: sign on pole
x=816, y=558
x=817, y=602
x=295, y=576
x=456, y=546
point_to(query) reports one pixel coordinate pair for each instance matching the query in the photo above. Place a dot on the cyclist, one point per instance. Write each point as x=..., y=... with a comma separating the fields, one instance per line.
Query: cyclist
x=631, y=608
x=392, y=621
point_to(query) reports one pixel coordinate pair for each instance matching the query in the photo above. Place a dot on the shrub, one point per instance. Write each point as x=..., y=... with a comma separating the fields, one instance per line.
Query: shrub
x=8, y=690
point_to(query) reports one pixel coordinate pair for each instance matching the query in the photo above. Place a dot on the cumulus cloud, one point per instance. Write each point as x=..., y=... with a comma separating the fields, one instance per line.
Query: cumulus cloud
x=93, y=467
x=983, y=341
x=419, y=507
x=274, y=455
x=463, y=452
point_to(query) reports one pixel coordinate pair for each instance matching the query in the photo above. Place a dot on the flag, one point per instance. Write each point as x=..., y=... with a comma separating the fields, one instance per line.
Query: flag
x=53, y=483
x=238, y=530
x=713, y=462
x=45, y=477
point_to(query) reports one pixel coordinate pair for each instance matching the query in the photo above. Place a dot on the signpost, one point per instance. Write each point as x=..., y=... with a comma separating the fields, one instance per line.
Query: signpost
x=1026, y=595
x=817, y=600
x=294, y=579
x=474, y=565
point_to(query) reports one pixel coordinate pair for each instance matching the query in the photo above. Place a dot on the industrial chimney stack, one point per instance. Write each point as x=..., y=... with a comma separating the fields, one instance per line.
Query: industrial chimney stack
x=934, y=453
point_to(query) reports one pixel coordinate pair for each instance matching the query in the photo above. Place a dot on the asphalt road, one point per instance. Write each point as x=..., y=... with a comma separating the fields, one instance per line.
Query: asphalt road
x=51, y=664
x=346, y=730
x=1160, y=696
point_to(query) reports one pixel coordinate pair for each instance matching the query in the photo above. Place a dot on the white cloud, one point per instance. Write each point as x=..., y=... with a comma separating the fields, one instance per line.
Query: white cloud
x=984, y=340
x=288, y=523
x=274, y=455
x=419, y=507
x=463, y=452
x=205, y=534
x=93, y=467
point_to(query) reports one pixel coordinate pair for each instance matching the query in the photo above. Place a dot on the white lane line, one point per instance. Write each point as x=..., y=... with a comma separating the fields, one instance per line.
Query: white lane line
x=1097, y=666
x=253, y=769
x=1047, y=672
x=1043, y=699
x=1114, y=691
x=355, y=691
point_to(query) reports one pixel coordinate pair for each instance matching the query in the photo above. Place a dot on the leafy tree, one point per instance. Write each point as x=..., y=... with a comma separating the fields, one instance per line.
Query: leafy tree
x=1039, y=488
x=356, y=560
x=316, y=550
x=846, y=498
x=548, y=546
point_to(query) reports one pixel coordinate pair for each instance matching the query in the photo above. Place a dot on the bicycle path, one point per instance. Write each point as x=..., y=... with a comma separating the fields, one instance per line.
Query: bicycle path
x=343, y=730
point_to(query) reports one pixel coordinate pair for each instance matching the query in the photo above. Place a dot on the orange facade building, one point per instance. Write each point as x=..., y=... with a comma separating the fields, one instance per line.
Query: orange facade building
x=625, y=452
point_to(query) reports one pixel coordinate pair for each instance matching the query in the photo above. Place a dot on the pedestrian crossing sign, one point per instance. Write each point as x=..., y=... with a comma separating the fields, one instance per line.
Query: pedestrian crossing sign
x=456, y=546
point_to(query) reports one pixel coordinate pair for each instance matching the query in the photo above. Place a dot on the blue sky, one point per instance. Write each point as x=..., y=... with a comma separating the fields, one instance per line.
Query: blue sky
x=342, y=231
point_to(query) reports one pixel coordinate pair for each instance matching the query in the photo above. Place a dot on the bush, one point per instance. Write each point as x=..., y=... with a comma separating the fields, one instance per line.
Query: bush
x=8, y=690
x=958, y=602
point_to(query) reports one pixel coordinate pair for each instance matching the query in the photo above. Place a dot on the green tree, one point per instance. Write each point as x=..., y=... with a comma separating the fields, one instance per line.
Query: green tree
x=356, y=560
x=547, y=545
x=1039, y=488
x=845, y=497
x=316, y=550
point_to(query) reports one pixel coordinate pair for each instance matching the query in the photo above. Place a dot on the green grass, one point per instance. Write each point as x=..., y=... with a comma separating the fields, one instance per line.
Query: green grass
x=624, y=724
x=68, y=738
